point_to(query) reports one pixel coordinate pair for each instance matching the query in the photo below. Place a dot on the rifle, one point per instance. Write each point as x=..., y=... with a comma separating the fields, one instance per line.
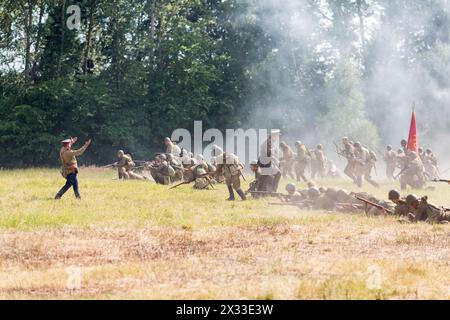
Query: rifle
x=180, y=184
x=109, y=165
x=441, y=180
x=269, y=193
x=339, y=152
x=192, y=180
x=242, y=175
x=401, y=171
x=373, y=204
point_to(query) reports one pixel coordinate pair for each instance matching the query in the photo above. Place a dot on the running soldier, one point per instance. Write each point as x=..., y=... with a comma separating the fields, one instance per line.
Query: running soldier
x=413, y=172
x=318, y=164
x=390, y=158
x=349, y=153
x=365, y=165
x=302, y=161
x=229, y=166
x=287, y=160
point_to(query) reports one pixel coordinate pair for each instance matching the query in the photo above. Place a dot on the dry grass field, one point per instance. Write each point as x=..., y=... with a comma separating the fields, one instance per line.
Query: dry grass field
x=137, y=240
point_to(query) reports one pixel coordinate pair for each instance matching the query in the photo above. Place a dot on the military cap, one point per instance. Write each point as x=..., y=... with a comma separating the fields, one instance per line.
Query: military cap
x=290, y=188
x=410, y=199
x=393, y=195
x=313, y=193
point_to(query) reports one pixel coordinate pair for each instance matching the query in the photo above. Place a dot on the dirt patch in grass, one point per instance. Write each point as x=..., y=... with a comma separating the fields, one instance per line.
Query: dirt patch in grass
x=327, y=260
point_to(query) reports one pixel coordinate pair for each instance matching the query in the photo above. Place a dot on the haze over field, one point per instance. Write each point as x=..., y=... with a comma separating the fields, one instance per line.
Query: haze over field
x=132, y=74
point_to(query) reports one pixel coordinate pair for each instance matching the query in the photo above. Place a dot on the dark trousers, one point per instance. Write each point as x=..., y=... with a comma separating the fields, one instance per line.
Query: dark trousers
x=71, y=181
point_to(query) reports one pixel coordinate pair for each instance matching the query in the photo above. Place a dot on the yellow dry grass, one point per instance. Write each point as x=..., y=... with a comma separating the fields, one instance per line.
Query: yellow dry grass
x=137, y=240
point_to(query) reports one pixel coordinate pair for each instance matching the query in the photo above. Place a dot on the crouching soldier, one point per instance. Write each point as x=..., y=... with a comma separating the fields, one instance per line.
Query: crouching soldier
x=69, y=168
x=229, y=166
x=161, y=170
x=124, y=167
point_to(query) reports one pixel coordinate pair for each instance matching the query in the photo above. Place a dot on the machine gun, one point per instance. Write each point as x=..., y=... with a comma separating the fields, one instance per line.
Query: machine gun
x=373, y=204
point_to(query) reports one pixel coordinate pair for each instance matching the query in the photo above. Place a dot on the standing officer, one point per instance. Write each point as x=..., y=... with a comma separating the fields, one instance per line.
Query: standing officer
x=69, y=168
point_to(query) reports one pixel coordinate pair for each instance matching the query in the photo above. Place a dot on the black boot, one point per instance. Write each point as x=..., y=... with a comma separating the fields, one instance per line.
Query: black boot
x=241, y=194
x=61, y=193
x=230, y=190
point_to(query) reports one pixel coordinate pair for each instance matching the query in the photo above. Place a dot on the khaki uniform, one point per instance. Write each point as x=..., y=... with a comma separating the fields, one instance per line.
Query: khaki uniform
x=162, y=173
x=173, y=149
x=364, y=167
x=287, y=162
x=318, y=164
x=430, y=166
x=401, y=209
x=429, y=213
x=413, y=175
x=69, y=160
x=390, y=158
x=349, y=154
x=124, y=166
x=229, y=166
x=302, y=161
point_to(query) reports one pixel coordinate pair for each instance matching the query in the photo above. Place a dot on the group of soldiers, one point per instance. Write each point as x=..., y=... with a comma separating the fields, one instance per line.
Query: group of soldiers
x=408, y=209
x=177, y=166
x=415, y=168
x=294, y=163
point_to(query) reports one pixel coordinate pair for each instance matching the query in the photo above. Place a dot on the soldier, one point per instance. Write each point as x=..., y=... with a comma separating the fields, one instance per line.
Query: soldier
x=413, y=172
x=322, y=199
x=404, y=145
x=349, y=153
x=390, y=158
x=124, y=167
x=423, y=211
x=421, y=154
x=302, y=161
x=365, y=164
x=201, y=177
x=293, y=194
x=430, y=164
x=318, y=164
x=177, y=165
x=171, y=147
x=269, y=159
x=69, y=168
x=287, y=160
x=401, y=207
x=229, y=166
x=161, y=170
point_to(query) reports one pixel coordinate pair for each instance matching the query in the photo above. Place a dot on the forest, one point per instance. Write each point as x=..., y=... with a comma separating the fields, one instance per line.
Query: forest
x=136, y=70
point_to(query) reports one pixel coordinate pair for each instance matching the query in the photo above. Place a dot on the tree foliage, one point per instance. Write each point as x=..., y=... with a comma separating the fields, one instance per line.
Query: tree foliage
x=138, y=69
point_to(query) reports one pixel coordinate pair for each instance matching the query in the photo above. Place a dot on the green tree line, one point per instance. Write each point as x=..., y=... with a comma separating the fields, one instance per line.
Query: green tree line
x=138, y=69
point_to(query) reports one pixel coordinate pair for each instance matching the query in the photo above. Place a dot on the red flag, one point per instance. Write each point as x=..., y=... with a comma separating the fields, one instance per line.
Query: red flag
x=413, y=142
